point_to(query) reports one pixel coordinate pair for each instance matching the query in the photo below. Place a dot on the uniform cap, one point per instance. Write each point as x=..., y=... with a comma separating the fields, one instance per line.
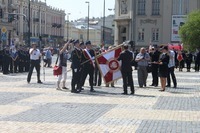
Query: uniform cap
x=87, y=43
x=76, y=41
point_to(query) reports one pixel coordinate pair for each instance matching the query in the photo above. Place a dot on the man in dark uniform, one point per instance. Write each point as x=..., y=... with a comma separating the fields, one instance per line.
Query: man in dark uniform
x=126, y=58
x=27, y=59
x=21, y=60
x=1, y=60
x=155, y=54
x=6, y=60
x=88, y=65
x=76, y=67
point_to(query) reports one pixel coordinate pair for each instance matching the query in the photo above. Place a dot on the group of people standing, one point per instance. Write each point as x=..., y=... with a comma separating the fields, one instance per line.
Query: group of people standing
x=162, y=62
x=14, y=59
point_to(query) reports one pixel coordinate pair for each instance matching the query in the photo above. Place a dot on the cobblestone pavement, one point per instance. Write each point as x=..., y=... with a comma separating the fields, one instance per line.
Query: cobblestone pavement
x=40, y=108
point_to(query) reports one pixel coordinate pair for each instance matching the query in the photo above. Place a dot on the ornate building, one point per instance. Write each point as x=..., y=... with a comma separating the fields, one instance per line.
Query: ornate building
x=46, y=22
x=151, y=21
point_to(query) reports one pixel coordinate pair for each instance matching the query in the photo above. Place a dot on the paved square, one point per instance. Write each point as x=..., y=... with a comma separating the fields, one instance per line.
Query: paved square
x=39, y=108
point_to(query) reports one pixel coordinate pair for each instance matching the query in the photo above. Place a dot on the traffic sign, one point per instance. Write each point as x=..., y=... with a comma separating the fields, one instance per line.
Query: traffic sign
x=3, y=36
x=3, y=29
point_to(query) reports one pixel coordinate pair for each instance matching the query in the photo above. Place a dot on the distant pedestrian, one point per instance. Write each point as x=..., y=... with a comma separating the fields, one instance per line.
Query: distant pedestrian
x=48, y=56
x=34, y=63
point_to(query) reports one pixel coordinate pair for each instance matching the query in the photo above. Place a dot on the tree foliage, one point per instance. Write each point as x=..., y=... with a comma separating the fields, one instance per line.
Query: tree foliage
x=190, y=31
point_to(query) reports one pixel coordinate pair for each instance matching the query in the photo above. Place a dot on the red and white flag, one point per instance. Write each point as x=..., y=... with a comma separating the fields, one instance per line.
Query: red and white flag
x=109, y=66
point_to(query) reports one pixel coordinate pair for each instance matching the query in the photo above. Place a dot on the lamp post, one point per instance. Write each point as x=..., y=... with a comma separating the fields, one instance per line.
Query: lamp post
x=29, y=23
x=103, y=39
x=68, y=25
x=88, y=19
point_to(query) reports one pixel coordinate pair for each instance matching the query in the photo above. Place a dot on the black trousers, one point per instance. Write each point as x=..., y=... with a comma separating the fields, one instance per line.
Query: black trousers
x=6, y=66
x=171, y=72
x=97, y=77
x=188, y=65
x=155, y=75
x=127, y=79
x=89, y=69
x=197, y=65
x=76, y=77
x=34, y=64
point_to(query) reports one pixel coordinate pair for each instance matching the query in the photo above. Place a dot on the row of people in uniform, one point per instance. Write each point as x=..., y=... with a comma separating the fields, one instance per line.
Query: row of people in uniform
x=14, y=60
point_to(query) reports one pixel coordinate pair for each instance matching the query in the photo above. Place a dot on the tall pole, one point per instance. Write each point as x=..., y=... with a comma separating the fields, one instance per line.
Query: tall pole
x=88, y=19
x=104, y=5
x=68, y=25
x=29, y=23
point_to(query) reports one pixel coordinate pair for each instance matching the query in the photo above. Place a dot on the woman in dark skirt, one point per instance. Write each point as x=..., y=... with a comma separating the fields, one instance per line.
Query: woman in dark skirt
x=163, y=67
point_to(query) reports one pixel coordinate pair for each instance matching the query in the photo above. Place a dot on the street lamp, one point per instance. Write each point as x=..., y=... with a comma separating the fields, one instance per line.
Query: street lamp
x=68, y=25
x=29, y=22
x=88, y=19
x=103, y=40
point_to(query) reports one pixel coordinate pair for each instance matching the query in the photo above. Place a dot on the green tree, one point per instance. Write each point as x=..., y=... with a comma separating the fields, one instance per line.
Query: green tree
x=190, y=31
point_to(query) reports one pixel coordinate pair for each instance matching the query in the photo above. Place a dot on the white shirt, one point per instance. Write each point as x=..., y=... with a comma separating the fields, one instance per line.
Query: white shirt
x=35, y=55
x=171, y=59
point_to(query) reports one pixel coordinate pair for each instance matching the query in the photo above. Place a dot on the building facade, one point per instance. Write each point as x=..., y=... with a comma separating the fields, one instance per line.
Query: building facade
x=46, y=22
x=73, y=31
x=151, y=21
x=6, y=28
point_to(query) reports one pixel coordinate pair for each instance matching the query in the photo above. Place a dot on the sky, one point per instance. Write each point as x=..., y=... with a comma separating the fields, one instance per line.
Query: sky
x=79, y=9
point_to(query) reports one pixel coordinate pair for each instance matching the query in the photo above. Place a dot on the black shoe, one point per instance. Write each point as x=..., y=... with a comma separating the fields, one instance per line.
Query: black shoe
x=39, y=82
x=167, y=86
x=92, y=90
x=125, y=93
x=132, y=93
x=28, y=82
x=155, y=85
x=152, y=85
x=175, y=86
x=82, y=88
x=65, y=88
x=75, y=91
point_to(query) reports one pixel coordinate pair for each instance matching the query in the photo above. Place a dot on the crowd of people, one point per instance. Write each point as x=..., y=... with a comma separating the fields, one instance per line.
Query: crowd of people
x=161, y=61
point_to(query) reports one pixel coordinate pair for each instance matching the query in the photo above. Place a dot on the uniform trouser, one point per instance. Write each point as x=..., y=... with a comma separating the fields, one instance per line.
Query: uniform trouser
x=97, y=77
x=127, y=78
x=63, y=76
x=188, y=65
x=36, y=64
x=1, y=65
x=197, y=65
x=155, y=75
x=85, y=71
x=171, y=72
x=142, y=75
x=49, y=62
x=75, y=83
x=5, y=67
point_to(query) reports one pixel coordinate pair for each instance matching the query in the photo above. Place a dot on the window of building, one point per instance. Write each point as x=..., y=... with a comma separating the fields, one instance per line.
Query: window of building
x=155, y=7
x=155, y=34
x=141, y=7
x=140, y=34
x=180, y=7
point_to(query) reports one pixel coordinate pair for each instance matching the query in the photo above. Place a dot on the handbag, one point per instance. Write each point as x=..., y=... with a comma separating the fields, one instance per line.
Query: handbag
x=57, y=70
x=149, y=68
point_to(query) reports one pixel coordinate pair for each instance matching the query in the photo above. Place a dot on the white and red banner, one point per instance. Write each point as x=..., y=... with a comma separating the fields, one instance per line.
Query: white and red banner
x=109, y=66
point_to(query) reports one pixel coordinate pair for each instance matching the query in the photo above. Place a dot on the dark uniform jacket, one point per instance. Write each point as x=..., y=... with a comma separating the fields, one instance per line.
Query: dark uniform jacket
x=126, y=57
x=86, y=58
x=76, y=59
